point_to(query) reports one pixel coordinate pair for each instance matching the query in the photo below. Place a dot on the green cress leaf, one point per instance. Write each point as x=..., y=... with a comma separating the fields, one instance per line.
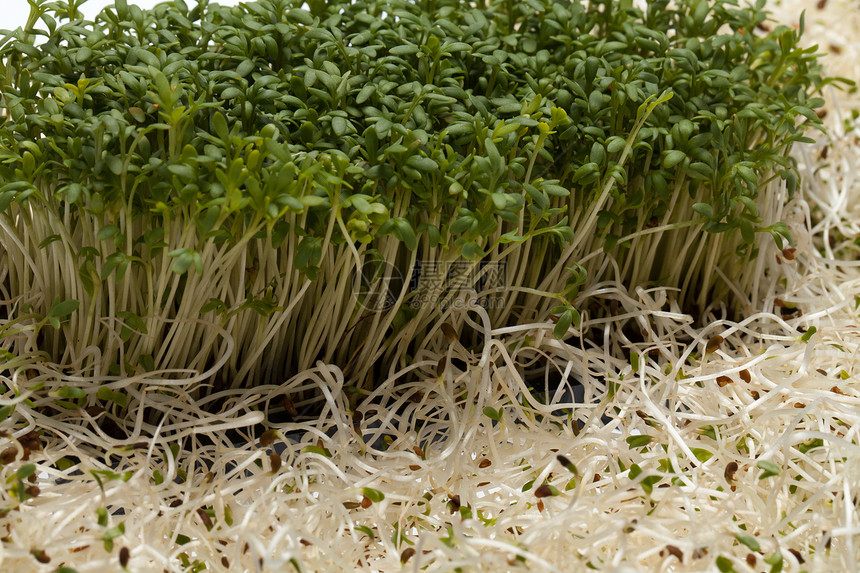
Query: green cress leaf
x=62, y=309
x=492, y=413
x=704, y=210
x=563, y=324
x=725, y=565
x=775, y=560
x=70, y=393
x=6, y=411
x=184, y=258
x=673, y=158
x=638, y=441
x=115, y=396
x=25, y=471
x=769, y=469
x=137, y=113
x=749, y=541
x=373, y=495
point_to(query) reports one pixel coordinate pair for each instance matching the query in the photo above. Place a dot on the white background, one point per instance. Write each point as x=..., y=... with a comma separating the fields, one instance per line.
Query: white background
x=16, y=12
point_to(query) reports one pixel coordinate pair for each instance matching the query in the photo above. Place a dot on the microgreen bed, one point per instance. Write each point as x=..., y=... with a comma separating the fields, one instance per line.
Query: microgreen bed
x=197, y=183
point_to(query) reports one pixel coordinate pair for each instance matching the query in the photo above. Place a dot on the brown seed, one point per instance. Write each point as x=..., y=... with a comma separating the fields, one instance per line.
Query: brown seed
x=789, y=253
x=779, y=303
x=225, y=562
x=751, y=559
x=8, y=455
x=731, y=469
x=357, y=417
x=268, y=438
x=351, y=504
x=414, y=467
x=176, y=503
x=483, y=483
x=440, y=366
x=124, y=554
x=305, y=542
x=365, y=502
x=275, y=460
x=754, y=394
x=95, y=411
x=713, y=344
x=723, y=380
x=41, y=556
x=821, y=4
x=32, y=491
x=289, y=407
x=449, y=331
x=454, y=503
x=745, y=376
x=675, y=551
x=418, y=451
x=837, y=390
x=406, y=555
x=204, y=517
x=485, y=463
x=568, y=465
x=31, y=440
x=544, y=490
x=540, y=505
x=797, y=555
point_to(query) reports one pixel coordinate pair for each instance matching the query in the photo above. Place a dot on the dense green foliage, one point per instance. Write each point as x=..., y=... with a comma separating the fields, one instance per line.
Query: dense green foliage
x=189, y=169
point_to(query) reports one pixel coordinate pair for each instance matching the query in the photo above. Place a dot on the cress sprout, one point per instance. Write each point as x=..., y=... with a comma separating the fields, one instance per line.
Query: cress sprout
x=195, y=183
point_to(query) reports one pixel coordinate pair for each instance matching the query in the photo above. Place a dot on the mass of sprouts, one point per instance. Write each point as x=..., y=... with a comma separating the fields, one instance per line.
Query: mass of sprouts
x=322, y=184
x=383, y=286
